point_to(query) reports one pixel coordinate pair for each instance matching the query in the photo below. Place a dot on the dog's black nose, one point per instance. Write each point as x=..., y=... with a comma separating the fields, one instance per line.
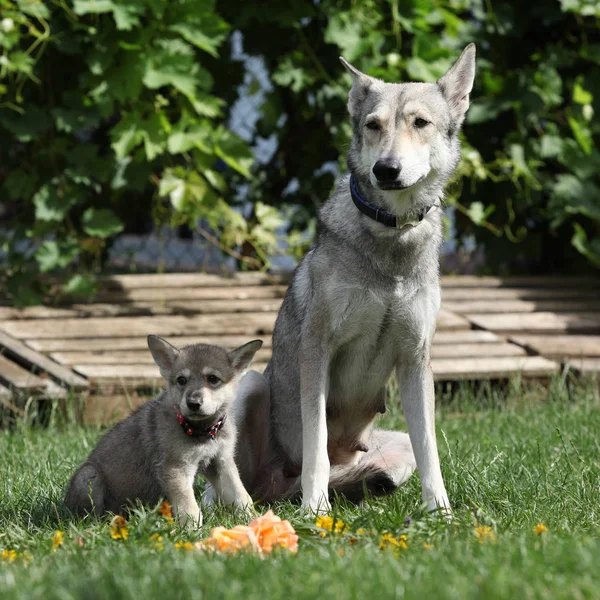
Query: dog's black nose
x=193, y=403
x=386, y=170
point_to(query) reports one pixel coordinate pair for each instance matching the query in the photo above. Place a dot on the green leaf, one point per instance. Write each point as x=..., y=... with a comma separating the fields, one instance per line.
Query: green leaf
x=346, y=33
x=50, y=255
x=50, y=205
x=154, y=134
x=582, y=134
x=207, y=34
x=20, y=185
x=127, y=135
x=84, y=7
x=101, y=222
x=580, y=95
x=234, y=151
x=550, y=146
x=34, y=8
x=591, y=250
x=81, y=285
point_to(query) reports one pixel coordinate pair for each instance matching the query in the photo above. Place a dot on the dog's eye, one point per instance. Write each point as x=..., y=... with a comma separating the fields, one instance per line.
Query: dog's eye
x=420, y=123
x=213, y=380
x=181, y=380
x=373, y=126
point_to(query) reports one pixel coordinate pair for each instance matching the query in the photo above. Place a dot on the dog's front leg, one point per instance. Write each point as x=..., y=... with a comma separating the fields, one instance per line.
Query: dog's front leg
x=179, y=488
x=225, y=480
x=417, y=392
x=314, y=372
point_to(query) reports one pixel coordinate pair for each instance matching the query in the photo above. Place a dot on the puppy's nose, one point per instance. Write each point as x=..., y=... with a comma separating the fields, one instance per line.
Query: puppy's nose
x=193, y=402
x=386, y=170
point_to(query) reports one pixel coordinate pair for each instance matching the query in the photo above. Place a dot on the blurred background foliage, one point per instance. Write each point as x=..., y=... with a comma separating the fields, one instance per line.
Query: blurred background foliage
x=115, y=116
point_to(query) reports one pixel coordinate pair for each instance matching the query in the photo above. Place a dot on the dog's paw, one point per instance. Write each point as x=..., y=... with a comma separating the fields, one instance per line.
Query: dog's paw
x=442, y=508
x=317, y=506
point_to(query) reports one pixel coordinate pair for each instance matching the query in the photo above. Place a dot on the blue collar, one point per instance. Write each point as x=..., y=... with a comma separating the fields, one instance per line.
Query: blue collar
x=380, y=215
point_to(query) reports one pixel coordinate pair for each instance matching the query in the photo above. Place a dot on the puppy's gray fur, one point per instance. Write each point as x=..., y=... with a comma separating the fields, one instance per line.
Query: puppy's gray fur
x=363, y=304
x=148, y=456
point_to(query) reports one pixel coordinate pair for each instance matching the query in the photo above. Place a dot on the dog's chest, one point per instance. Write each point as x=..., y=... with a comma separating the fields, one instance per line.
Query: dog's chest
x=377, y=330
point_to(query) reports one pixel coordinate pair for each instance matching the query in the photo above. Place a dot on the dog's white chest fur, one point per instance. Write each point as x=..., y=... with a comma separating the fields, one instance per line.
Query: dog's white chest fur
x=376, y=329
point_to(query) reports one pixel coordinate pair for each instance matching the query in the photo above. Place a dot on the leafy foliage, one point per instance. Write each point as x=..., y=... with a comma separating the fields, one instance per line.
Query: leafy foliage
x=112, y=115
x=107, y=114
x=528, y=185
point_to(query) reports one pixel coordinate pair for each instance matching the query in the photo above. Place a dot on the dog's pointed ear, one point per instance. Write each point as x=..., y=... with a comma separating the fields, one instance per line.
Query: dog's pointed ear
x=163, y=353
x=456, y=84
x=241, y=357
x=360, y=86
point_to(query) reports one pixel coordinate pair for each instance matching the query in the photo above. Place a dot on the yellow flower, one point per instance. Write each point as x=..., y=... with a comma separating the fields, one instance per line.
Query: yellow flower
x=118, y=528
x=166, y=512
x=9, y=556
x=57, y=540
x=484, y=533
x=427, y=546
x=184, y=546
x=388, y=542
x=328, y=524
x=540, y=528
x=156, y=541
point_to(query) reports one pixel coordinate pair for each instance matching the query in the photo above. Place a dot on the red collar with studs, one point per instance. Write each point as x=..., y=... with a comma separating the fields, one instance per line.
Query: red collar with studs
x=194, y=431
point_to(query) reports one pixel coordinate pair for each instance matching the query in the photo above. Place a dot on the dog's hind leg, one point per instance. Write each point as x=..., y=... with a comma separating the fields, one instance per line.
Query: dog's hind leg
x=386, y=465
x=86, y=492
x=251, y=413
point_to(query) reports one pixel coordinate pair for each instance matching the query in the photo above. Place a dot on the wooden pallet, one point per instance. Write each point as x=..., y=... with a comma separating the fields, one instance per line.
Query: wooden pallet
x=485, y=329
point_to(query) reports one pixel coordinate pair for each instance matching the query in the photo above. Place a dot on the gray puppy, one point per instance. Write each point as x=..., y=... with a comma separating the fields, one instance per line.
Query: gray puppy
x=157, y=451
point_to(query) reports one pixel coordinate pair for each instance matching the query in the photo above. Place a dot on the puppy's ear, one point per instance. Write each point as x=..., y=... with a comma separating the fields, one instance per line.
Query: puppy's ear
x=456, y=84
x=163, y=353
x=361, y=84
x=241, y=357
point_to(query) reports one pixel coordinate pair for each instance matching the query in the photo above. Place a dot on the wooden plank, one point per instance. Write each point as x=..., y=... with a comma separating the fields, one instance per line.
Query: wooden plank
x=483, y=350
x=468, y=336
x=127, y=357
x=168, y=280
x=560, y=346
x=142, y=309
x=249, y=324
x=14, y=376
x=36, y=312
x=139, y=343
x=452, y=369
x=559, y=293
x=450, y=321
x=143, y=357
x=104, y=410
x=257, y=292
x=585, y=364
x=522, y=306
x=542, y=322
x=473, y=281
x=32, y=359
x=447, y=369
x=136, y=375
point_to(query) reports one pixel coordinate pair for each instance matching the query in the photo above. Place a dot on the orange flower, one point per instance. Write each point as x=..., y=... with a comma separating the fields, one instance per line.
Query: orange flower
x=166, y=512
x=272, y=532
x=230, y=540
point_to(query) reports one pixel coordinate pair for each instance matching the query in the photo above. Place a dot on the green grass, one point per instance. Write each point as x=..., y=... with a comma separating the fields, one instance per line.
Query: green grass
x=512, y=458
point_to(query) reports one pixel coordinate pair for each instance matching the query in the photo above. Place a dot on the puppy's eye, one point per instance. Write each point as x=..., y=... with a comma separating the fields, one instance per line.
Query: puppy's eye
x=420, y=123
x=181, y=380
x=213, y=380
x=373, y=126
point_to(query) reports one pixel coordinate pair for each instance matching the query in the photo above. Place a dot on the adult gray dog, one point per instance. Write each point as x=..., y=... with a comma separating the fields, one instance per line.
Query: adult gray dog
x=362, y=304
